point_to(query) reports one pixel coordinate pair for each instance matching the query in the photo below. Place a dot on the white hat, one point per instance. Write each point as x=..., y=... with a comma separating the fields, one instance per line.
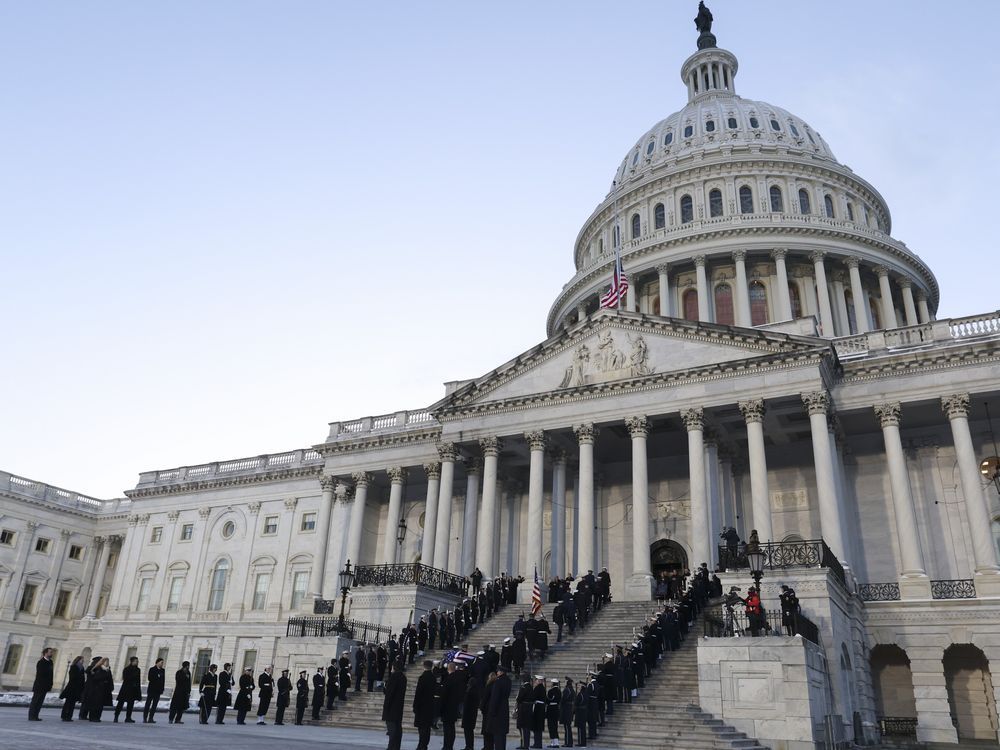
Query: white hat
x=506, y=640
x=539, y=677
x=480, y=653
x=608, y=656
x=554, y=681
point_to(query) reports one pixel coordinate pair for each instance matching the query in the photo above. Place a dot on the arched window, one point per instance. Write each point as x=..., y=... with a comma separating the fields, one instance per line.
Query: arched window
x=649, y=147
x=746, y=200
x=715, y=202
x=876, y=318
x=600, y=246
x=731, y=123
x=691, y=304
x=794, y=299
x=777, y=204
x=850, y=211
x=828, y=205
x=688, y=131
x=687, y=209
x=724, y=304
x=709, y=126
x=636, y=225
x=635, y=158
x=754, y=123
x=668, y=139
x=217, y=592
x=804, y=206
x=758, y=304
x=659, y=216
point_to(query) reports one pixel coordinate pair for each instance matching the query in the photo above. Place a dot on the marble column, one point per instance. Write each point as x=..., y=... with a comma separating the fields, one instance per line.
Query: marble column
x=956, y=407
x=662, y=271
x=397, y=477
x=704, y=314
x=818, y=406
x=536, y=498
x=639, y=586
x=914, y=583
x=433, y=471
x=885, y=292
x=843, y=322
x=486, y=543
x=470, y=522
x=99, y=573
x=586, y=434
x=357, y=526
x=701, y=545
x=858, y=295
x=713, y=492
x=558, y=526
x=825, y=311
x=442, y=538
x=784, y=300
x=631, y=294
x=922, y=310
x=742, y=289
x=760, y=497
x=906, y=285
x=326, y=484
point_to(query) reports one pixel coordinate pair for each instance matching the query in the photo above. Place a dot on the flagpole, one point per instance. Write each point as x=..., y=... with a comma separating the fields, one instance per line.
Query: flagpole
x=617, y=235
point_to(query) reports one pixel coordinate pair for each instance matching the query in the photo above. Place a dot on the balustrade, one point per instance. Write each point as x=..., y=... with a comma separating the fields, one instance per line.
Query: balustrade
x=320, y=627
x=411, y=574
x=812, y=553
x=879, y=592
x=960, y=588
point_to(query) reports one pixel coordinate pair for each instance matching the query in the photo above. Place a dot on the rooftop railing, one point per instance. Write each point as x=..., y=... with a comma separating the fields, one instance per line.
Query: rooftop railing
x=47, y=493
x=811, y=553
x=412, y=574
x=236, y=467
x=912, y=337
x=395, y=422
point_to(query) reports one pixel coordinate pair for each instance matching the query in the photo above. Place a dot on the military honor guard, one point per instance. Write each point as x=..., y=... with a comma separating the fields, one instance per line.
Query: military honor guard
x=265, y=689
x=301, y=697
x=244, y=698
x=284, y=697
x=207, y=688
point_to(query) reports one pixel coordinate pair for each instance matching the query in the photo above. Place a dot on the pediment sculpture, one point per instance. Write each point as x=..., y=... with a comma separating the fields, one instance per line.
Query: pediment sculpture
x=607, y=361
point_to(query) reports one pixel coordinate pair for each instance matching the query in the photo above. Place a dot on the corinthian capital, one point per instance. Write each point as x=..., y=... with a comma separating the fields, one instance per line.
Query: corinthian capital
x=739, y=255
x=536, y=440
x=779, y=253
x=491, y=445
x=694, y=419
x=361, y=478
x=752, y=410
x=817, y=402
x=447, y=451
x=956, y=405
x=699, y=260
x=433, y=470
x=586, y=433
x=327, y=483
x=888, y=413
x=852, y=261
x=397, y=474
x=637, y=426
x=817, y=256
x=881, y=271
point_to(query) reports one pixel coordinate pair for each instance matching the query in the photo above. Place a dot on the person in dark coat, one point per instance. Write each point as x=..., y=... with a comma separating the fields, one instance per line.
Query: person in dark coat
x=470, y=708
x=497, y=719
x=284, y=686
x=223, y=698
x=524, y=704
x=98, y=689
x=86, y=676
x=592, y=691
x=484, y=704
x=581, y=715
x=371, y=668
x=344, y=676
x=567, y=704
x=518, y=653
x=244, y=698
x=73, y=690
x=553, y=699
x=41, y=685
x=392, y=707
x=265, y=688
x=156, y=679
x=130, y=691
x=452, y=694
x=182, y=694
x=538, y=711
x=359, y=667
x=332, y=684
x=382, y=656
x=301, y=697
x=319, y=691
x=423, y=705
x=207, y=689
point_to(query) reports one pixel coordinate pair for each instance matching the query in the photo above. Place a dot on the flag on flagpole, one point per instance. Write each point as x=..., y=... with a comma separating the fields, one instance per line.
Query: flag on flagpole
x=619, y=284
x=536, y=595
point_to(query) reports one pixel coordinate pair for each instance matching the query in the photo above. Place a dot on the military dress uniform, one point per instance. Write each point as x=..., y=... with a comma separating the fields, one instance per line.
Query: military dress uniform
x=265, y=688
x=284, y=697
x=207, y=689
x=301, y=697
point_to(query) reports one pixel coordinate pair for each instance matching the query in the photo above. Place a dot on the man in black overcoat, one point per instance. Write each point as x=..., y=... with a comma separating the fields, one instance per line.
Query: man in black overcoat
x=332, y=684
x=41, y=685
x=470, y=705
x=224, y=698
x=423, y=705
x=156, y=679
x=284, y=686
x=392, y=707
x=319, y=692
x=301, y=696
x=452, y=695
x=497, y=717
x=182, y=694
x=130, y=690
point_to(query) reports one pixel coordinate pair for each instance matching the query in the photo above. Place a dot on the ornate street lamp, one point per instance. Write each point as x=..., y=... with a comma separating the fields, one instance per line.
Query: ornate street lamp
x=401, y=531
x=756, y=560
x=346, y=581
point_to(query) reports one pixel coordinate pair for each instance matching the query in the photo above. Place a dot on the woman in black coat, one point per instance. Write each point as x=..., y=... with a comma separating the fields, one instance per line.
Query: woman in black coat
x=182, y=694
x=73, y=691
x=566, y=707
x=98, y=689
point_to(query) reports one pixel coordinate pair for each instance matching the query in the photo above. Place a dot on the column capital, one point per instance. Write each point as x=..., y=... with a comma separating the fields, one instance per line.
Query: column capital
x=905, y=282
x=699, y=261
x=817, y=256
x=694, y=419
x=920, y=294
x=558, y=455
x=779, y=253
x=473, y=465
x=817, y=402
x=254, y=508
x=838, y=276
x=344, y=492
x=204, y=511
x=586, y=433
x=397, y=474
x=491, y=445
x=362, y=478
x=852, y=261
x=955, y=405
x=739, y=255
x=291, y=502
x=99, y=540
x=881, y=271
x=115, y=539
x=536, y=440
x=888, y=413
x=752, y=410
x=433, y=470
x=638, y=426
x=327, y=483
x=173, y=515
x=663, y=268
x=447, y=451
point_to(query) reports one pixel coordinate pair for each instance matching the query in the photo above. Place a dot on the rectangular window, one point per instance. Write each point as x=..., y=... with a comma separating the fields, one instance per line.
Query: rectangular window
x=250, y=659
x=62, y=604
x=7, y=537
x=270, y=525
x=187, y=531
x=261, y=585
x=201, y=664
x=156, y=535
x=308, y=521
x=163, y=653
x=299, y=583
x=75, y=552
x=142, y=601
x=28, y=598
x=12, y=659
x=132, y=651
x=174, y=597
x=42, y=545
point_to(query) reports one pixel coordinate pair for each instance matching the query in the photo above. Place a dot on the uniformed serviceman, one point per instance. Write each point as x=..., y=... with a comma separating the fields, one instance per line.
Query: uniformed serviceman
x=284, y=696
x=265, y=688
x=223, y=698
x=538, y=711
x=301, y=696
x=525, y=703
x=319, y=691
x=182, y=694
x=244, y=698
x=553, y=700
x=206, y=689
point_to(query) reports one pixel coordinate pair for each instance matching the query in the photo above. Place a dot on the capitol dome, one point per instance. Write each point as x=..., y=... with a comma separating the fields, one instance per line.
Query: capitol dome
x=734, y=211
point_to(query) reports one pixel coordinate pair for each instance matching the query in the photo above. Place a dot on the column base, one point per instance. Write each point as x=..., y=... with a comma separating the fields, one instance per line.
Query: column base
x=915, y=587
x=639, y=588
x=987, y=584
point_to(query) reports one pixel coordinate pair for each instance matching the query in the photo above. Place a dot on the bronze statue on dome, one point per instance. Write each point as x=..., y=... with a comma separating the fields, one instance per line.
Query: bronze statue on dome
x=703, y=22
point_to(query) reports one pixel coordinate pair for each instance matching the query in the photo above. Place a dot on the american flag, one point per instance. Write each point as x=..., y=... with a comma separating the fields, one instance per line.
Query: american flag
x=459, y=655
x=536, y=595
x=619, y=284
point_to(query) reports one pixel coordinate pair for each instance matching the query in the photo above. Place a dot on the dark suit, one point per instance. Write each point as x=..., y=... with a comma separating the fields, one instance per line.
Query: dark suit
x=497, y=718
x=284, y=697
x=129, y=692
x=470, y=710
x=182, y=694
x=423, y=707
x=301, y=698
x=319, y=689
x=331, y=683
x=223, y=698
x=41, y=686
x=452, y=694
x=392, y=707
x=156, y=679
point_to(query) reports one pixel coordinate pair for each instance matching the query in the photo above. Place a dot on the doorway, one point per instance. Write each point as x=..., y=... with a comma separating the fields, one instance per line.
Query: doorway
x=970, y=692
x=667, y=556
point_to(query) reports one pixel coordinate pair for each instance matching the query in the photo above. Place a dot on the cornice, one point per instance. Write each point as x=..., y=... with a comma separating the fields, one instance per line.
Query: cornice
x=236, y=481
x=385, y=440
x=66, y=510
x=920, y=360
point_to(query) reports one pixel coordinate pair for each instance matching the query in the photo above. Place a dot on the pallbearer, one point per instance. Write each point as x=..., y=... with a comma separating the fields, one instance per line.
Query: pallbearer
x=265, y=687
x=284, y=696
x=207, y=687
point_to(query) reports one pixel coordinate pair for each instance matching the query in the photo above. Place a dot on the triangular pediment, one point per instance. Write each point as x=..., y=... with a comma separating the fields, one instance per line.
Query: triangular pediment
x=612, y=347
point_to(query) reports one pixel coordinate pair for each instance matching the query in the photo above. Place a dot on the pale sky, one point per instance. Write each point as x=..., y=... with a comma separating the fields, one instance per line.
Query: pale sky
x=225, y=224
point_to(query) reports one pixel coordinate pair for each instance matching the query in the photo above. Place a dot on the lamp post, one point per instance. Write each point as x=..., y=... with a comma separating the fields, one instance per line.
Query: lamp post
x=400, y=536
x=756, y=560
x=346, y=580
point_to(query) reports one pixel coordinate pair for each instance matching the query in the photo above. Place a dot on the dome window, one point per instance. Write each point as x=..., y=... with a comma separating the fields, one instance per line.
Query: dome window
x=668, y=139
x=659, y=216
x=691, y=304
x=758, y=304
x=746, y=200
x=850, y=211
x=868, y=217
x=804, y=207
x=635, y=158
x=795, y=130
x=777, y=204
x=794, y=300
x=710, y=126
x=649, y=147
x=811, y=139
x=775, y=126
x=614, y=236
x=636, y=226
x=724, y=305
x=731, y=123
x=754, y=123
x=828, y=205
x=687, y=209
x=715, y=202
x=688, y=131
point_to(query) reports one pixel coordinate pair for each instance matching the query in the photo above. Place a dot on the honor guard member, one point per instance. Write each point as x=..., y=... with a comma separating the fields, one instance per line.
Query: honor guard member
x=301, y=697
x=244, y=698
x=566, y=708
x=319, y=691
x=432, y=628
x=130, y=691
x=593, y=705
x=581, y=714
x=206, y=689
x=331, y=683
x=553, y=699
x=538, y=710
x=525, y=702
x=156, y=679
x=182, y=694
x=344, y=675
x=223, y=698
x=265, y=688
x=359, y=667
x=392, y=707
x=284, y=697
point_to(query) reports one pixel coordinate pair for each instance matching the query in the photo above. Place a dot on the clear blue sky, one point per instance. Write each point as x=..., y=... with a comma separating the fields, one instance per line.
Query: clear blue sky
x=225, y=224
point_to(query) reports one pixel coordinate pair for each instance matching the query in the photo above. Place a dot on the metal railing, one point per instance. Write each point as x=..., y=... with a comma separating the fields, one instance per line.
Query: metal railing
x=321, y=627
x=879, y=592
x=736, y=624
x=897, y=726
x=961, y=588
x=411, y=574
x=811, y=553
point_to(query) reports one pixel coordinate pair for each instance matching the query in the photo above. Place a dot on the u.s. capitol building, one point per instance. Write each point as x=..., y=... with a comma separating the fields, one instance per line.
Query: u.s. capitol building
x=776, y=365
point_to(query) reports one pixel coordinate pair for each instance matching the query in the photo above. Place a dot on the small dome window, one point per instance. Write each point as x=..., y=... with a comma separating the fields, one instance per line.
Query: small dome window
x=636, y=226
x=659, y=217
x=795, y=130
x=228, y=529
x=850, y=212
x=688, y=131
x=828, y=205
x=731, y=123
x=777, y=204
x=746, y=200
x=687, y=209
x=775, y=126
x=715, y=203
x=754, y=123
x=811, y=139
x=649, y=147
x=804, y=206
x=710, y=126
x=668, y=139
x=635, y=158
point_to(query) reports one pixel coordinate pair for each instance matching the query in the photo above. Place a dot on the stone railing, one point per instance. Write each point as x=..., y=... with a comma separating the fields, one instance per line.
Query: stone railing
x=879, y=592
x=300, y=458
x=811, y=553
x=913, y=337
x=395, y=422
x=720, y=623
x=321, y=627
x=411, y=574
x=30, y=489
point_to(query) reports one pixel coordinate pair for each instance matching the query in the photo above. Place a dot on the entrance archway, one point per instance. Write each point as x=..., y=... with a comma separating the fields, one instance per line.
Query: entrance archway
x=667, y=556
x=892, y=682
x=970, y=692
